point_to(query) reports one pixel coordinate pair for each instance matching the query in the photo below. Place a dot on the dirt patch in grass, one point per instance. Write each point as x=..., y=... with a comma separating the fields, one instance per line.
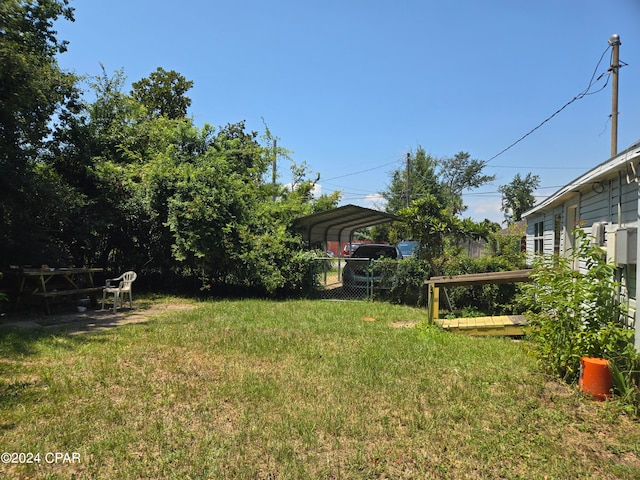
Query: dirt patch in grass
x=405, y=324
x=93, y=320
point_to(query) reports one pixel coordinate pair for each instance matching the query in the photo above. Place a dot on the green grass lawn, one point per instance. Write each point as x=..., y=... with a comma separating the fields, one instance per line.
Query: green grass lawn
x=292, y=390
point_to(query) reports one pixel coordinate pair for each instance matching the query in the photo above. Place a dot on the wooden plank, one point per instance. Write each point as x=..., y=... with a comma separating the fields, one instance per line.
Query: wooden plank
x=482, y=278
x=466, y=323
x=449, y=324
x=496, y=332
x=36, y=272
x=62, y=293
x=487, y=275
x=499, y=325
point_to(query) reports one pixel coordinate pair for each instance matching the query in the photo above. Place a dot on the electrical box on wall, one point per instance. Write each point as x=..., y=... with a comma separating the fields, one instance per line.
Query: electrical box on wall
x=626, y=251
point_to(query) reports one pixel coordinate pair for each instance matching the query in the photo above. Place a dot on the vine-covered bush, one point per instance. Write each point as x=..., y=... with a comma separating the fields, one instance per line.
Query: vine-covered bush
x=578, y=313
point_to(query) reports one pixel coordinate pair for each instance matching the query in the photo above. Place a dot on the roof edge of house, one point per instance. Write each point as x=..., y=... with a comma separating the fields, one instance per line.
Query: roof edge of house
x=601, y=170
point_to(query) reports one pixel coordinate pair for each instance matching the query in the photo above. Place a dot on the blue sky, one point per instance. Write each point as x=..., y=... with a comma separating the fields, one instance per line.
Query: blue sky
x=351, y=86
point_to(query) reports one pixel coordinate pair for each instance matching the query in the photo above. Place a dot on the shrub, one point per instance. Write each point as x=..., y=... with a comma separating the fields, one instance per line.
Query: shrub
x=577, y=313
x=403, y=280
x=490, y=299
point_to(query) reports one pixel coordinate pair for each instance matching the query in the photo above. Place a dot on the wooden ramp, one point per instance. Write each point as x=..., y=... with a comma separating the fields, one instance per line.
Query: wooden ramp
x=502, y=325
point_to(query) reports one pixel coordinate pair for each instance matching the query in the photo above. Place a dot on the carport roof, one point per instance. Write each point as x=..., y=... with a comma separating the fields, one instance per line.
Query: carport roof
x=338, y=224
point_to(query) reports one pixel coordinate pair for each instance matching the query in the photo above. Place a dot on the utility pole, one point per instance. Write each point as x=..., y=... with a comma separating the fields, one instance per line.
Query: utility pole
x=614, y=41
x=408, y=179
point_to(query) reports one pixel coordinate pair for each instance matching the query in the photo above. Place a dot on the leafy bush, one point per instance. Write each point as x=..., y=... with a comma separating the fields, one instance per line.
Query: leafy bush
x=577, y=313
x=403, y=280
x=490, y=299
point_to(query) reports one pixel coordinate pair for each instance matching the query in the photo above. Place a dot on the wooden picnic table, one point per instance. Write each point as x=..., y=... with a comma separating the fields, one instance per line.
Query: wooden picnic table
x=49, y=283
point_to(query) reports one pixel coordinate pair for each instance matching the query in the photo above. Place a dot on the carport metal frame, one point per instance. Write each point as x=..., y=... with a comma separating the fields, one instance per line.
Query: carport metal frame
x=331, y=225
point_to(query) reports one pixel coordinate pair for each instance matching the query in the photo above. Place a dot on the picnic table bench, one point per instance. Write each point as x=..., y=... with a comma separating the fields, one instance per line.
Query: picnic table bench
x=48, y=283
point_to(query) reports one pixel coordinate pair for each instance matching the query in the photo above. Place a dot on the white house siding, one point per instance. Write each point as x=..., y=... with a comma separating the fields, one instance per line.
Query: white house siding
x=595, y=207
x=609, y=199
x=629, y=204
x=608, y=193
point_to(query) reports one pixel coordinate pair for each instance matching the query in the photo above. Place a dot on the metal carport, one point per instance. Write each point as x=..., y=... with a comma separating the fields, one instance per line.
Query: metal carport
x=340, y=223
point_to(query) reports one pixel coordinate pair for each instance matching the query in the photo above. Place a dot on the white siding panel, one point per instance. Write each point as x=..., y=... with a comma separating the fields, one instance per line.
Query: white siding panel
x=614, y=198
x=594, y=207
x=629, y=203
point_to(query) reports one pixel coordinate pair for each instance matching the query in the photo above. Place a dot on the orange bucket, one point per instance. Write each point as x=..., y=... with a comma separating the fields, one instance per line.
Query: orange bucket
x=595, y=377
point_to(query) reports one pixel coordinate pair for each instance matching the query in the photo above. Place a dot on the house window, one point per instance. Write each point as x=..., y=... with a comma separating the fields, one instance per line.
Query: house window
x=557, y=228
x=538, y=237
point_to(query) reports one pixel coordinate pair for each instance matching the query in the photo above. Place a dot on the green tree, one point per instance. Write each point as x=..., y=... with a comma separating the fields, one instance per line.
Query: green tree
x=445, y=178
x=178, y=202
x=423, y=182
x=88, y=154
x=107, y=151
x=224, y=226
x=32, y=88
x=32, y=85
x=461, y=173
x=422, y=178
x=433, y=225
x=517, y=196
x=436, y=188
x=163, y=93
x=127, y=181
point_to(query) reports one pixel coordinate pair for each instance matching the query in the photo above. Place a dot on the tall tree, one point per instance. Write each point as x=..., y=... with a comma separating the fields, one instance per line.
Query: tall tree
x=419, y=180
x=517, y=196
x=32, y=85
x=441, y=181
x=445, y=178
x=461, y=173
x=32, y=88
x=163, y=93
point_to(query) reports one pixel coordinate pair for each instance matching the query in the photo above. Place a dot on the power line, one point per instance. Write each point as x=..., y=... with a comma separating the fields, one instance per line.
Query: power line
x=362, y=171
x=525, y=167
x=581, y=95
x=497, y=194
x=337, y=186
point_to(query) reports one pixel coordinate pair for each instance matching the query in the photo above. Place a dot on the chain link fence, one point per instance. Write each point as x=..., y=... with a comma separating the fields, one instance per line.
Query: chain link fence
x=330, y=281
x=357, y=278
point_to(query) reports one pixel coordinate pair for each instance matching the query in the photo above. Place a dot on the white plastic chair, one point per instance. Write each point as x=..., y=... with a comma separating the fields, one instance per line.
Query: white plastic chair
x=119, y=292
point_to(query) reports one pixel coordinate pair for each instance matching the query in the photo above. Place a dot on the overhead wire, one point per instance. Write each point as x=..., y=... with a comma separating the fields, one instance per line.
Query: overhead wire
x=581, y=95
x=361, y=171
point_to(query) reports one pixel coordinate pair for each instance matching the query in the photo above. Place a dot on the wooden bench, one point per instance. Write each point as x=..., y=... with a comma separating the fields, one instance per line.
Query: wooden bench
x=63, y=293
x=46, y=296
